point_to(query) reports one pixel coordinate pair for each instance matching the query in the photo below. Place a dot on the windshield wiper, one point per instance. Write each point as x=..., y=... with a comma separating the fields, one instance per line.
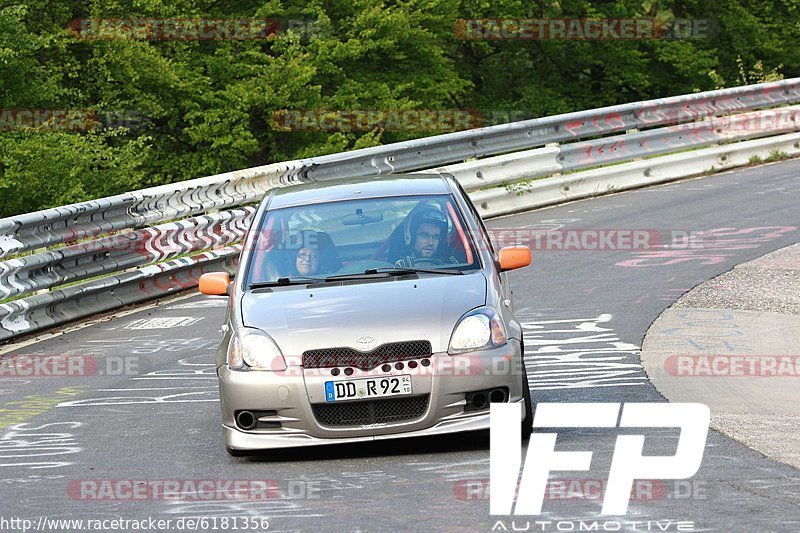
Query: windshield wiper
x=411, y=270
x=357, y=275
x=281, y=282
x=391, y=271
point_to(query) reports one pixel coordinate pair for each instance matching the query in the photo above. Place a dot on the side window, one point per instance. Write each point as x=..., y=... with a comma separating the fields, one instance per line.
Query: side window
x=477, y=216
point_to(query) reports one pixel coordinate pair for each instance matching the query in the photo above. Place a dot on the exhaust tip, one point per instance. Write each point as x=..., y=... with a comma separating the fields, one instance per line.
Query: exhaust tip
x=498, y=396
x=479, y=400
x=246, y=420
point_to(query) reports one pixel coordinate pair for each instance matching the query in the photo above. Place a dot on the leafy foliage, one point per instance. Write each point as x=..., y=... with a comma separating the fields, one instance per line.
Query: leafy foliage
x=199, y=107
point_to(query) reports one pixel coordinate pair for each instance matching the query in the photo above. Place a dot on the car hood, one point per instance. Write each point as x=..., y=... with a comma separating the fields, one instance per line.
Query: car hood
x=426, y=308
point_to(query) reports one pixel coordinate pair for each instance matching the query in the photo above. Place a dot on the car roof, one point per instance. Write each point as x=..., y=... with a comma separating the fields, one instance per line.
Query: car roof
x=353, y=188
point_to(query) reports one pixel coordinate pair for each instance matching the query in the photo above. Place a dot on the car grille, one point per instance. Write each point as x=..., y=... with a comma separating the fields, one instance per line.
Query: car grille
x=372, y=412
x=385, y=353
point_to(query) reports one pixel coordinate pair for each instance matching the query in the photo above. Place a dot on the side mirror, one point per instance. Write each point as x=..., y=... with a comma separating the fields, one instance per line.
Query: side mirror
x=215, y=283
x=512, y=257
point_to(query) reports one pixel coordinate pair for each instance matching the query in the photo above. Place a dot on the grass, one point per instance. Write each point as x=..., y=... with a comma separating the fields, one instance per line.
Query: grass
x=774, y=155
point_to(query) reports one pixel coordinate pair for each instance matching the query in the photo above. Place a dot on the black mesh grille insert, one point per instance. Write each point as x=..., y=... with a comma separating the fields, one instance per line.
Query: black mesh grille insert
x=359, y=412
x=385, y=353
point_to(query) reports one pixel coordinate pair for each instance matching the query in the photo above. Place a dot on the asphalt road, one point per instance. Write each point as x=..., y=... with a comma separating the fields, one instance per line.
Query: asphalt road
x=751, y=316
x=148, y=413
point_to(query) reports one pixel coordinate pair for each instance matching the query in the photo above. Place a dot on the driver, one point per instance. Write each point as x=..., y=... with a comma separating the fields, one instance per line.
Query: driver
x=423, y=237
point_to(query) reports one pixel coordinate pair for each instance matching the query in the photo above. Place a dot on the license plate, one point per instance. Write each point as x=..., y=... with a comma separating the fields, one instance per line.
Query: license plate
x=362, y=389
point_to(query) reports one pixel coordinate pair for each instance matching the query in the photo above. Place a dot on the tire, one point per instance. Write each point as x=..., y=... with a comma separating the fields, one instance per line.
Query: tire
x=527, y=422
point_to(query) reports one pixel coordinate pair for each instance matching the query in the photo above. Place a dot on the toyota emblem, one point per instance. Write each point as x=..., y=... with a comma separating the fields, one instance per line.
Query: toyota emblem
x=366, y=343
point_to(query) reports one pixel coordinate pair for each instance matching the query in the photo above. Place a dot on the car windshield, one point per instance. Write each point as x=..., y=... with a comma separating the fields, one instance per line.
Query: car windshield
x=386, y=236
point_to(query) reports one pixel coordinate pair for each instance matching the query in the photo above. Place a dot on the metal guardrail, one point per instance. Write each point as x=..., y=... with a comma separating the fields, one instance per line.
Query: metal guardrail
x=118, y=252
x=505, y=138
x=519, y=196
x=157, y=204
x=118, y=237
x=112, y=292
x=551, y=160
x=138, y=209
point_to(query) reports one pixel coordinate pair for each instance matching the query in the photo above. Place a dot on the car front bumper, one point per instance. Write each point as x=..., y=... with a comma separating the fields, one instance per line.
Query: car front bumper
x=291, y=395
x=242, y=440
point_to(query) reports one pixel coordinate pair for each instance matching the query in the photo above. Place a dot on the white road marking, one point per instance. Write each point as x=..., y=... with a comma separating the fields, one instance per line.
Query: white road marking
x=166, y=322
x=579, y=353
x=99, y=320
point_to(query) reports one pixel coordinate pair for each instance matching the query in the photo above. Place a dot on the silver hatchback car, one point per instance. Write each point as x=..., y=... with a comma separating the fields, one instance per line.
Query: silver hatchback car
x=367, y=309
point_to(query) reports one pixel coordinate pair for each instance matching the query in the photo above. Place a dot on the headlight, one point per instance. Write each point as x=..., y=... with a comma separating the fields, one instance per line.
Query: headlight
x=478, y=329
x=252, y=348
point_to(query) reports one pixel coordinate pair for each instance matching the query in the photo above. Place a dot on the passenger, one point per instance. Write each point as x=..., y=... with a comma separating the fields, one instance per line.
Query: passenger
x=314, y=253
x=423, y=237
x=307, y=261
